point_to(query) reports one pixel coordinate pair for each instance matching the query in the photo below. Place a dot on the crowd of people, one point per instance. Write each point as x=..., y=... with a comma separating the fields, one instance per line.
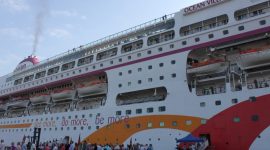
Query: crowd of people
x=55, y=145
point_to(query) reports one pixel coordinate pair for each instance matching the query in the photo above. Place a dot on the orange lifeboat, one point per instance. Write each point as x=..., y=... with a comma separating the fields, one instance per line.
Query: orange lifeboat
x=253, y=58
x=91, y=88
x=63, y=94
x=208, y=66
x=40, y=99
x=18, y=102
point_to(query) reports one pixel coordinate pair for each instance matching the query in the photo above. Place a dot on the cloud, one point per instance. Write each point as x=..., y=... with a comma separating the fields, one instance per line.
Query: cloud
x=14, y=33
x=14, y=5
x=59, y=33
x=65, y=13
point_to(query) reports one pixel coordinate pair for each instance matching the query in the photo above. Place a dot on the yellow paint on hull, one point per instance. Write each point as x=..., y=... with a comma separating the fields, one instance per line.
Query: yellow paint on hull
x=119, y=132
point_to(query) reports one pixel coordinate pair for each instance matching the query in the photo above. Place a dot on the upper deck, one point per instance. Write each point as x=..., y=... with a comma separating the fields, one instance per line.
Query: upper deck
x=189, y=22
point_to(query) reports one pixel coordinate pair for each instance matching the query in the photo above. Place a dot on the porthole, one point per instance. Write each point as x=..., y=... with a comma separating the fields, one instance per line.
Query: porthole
x=161, y=77
x=111, y=62
x=120, y=59
x=161, y=124
x=241, y=28
x=150, y=67
x=184, y=42
x=225, y=32
x=172, y=46
x=161, y=64
x=160, y=49
x=119, y=85
x=149, y=124
x=149, y=52
x=210, y=36
x=218, y=102
x=188, y=122
x=255, y=118
x=139, y=81
x=139, y=55
x=120, y=73
x=236, y=119
x=202, y=104
x=235, y=101
x=129, y=57
x=173, y=75
x=262, y=22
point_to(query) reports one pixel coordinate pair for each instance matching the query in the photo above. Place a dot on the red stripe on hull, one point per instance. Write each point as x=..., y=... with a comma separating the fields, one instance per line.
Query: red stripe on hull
x=225, y=134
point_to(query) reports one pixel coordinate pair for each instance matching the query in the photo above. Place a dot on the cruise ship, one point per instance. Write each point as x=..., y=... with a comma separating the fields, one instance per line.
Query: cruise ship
x=203, y=71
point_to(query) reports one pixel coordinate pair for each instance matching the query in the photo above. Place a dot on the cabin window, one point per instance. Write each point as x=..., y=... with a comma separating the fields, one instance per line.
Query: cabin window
x=218, y=102
x=138, y=111
x=188, y=122
x=262, y=22
x=235, y=101
x=161, y=108
x=225, y=32
x=241, y=28
x=252, y=11
x=210, y=36
x=28, y=78
x=128, y=112
x=68, y=66
x=203, y=121
x=149, y=124
x=40, y=74
x=255, y=118
x=184, y=42
x=118, y=113
x=53, y=70
x=236, y=119
x=85, y=60
x=106, y=54
x=162, y=37
x=132, y=46
x=204, y=25
x=161, y=124
x=18, y=81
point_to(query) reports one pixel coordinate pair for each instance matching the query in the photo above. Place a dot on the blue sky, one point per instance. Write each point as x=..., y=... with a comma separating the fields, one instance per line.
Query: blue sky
x=70, y=23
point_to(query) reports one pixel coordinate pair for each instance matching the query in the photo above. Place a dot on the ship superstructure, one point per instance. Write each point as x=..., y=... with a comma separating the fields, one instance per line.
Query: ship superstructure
x=203, y=71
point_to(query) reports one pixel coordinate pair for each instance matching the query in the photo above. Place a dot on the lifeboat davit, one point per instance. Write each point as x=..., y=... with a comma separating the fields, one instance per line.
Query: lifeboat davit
x=63, y=94
x=253, y=58
x=91, y=88
x=208, y=66
x=3, y=107
x=40, y=99
x=17, y=103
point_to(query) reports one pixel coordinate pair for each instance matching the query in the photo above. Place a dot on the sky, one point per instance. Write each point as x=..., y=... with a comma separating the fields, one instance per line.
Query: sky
x=62, y=25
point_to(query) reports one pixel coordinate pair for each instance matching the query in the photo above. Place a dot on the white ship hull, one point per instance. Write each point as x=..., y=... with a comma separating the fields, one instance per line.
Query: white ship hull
x=236, y=118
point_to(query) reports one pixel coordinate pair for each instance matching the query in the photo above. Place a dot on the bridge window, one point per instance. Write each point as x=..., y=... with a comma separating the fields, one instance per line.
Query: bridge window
x=85, y=60
x=40, y=74
x=132, y=46
x=18, y=81
x=68, y=66
x=106, y=54
x=28, y=78
x=162, y=37
x=252, y=11
x=53, y=70
x=204, y=25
